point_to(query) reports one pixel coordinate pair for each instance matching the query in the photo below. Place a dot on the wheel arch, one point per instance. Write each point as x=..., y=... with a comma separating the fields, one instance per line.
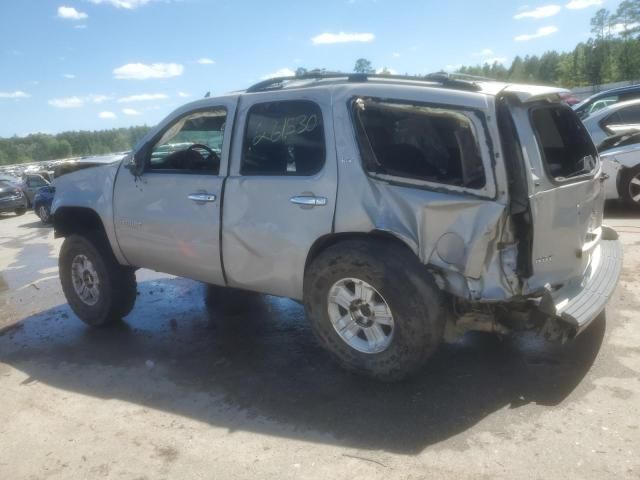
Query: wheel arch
x=76, y=220
x=326, y=241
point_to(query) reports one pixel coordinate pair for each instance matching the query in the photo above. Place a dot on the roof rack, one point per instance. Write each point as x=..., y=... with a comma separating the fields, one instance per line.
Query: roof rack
x=446, y=80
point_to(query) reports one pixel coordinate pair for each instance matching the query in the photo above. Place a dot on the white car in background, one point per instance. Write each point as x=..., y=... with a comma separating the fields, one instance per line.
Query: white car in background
x=613, y=120
x=620, y=157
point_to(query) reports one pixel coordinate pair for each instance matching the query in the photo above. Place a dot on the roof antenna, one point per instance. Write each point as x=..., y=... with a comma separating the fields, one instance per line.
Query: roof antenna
x=207, y=95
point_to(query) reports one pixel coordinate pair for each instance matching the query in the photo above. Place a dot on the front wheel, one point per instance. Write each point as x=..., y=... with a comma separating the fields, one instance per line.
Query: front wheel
x=374, y=307
x=99, y=290
x=20, y=211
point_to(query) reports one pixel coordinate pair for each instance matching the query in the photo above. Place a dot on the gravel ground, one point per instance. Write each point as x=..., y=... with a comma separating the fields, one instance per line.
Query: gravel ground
x=182, y=391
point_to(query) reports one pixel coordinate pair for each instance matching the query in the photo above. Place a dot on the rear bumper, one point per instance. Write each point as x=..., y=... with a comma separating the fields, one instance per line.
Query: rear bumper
x=578, y=305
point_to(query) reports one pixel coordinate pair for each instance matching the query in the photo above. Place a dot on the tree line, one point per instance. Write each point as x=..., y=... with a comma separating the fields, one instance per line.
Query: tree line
x=40, y=146
x=612, y=54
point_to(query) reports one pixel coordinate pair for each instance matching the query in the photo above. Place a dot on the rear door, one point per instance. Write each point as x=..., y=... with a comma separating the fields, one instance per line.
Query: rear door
x=280, y=195
x=565, y=192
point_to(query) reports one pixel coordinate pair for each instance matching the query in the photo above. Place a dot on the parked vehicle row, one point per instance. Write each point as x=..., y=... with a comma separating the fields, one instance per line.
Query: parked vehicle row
x=613, y=121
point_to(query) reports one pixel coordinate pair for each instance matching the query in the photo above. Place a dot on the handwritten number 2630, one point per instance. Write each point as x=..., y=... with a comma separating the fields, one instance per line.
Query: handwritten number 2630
x=280, y=130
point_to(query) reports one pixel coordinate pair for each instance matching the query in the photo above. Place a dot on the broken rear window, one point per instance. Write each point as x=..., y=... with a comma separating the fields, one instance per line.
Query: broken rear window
x=567, y=149
x=418, y=142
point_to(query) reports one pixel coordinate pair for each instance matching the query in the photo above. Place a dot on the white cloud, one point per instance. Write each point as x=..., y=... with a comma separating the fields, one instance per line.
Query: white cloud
x=283, y=72
x=143, y=97
x=14, y=95
x=541, y=32
x=67, y=102
x=107, y=115
x=97, y=98
x=141, y=71
x=184, y=94
x=126, y=4
x=483, y=53
x=71, y=13
x=130, y=111
x=619, y=28
x=70, y=76
x=342, y=37
x=452, y=68
x=80, y=27
x=395, y=54
x=77, y=101
x=580, y=4
x=390, y=71
x=540, y=12
x=206, y=61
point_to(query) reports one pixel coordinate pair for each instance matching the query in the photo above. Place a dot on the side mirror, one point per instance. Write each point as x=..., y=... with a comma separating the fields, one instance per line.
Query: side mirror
x=134, y=162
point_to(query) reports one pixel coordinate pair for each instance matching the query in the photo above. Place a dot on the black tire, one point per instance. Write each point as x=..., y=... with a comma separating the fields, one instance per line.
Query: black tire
x=44, y=213
x=408, y=288
x=20, y=211
x=629, y=190
x=117, y=284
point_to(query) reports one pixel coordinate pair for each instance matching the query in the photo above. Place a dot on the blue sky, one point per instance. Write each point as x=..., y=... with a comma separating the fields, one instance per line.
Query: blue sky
x=94, y=64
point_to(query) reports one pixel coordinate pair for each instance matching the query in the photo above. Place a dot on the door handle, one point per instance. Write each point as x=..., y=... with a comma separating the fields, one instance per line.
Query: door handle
x=308, y=201
x=202, y=197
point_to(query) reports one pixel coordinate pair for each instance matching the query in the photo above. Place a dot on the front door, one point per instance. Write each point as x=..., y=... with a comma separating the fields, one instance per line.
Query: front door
x=281, y=191
x=168, y=219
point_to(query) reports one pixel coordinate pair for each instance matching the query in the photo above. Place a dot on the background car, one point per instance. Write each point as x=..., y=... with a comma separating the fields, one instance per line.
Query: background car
x=615, y=119
x=606, y=98
x=12, y=199
x=31, y=183
x=42, y=203
x=620, y=158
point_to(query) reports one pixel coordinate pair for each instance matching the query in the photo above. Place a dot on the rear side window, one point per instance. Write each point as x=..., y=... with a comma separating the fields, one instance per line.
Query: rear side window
x=567, y=149
x=418, y=142
x=283, y=138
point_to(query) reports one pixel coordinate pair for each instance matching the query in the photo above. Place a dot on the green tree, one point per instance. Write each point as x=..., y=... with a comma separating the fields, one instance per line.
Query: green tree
x=363, y=66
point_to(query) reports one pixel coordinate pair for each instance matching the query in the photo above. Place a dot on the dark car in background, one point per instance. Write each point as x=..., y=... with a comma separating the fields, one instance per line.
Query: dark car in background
x=605, y=99
x=31, y=183
x=12, y=199
x=42, y=203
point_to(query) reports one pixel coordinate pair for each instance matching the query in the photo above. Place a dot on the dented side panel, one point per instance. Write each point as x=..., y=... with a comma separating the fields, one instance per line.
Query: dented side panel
x=457, y=234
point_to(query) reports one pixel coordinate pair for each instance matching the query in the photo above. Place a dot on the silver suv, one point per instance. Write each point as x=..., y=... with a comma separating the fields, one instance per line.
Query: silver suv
x=401, y=211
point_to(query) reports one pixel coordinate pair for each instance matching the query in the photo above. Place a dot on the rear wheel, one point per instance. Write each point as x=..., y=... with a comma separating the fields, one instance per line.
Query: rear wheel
x=374, y=307
x=99, y=290
x=20, y=211
x=630, y=186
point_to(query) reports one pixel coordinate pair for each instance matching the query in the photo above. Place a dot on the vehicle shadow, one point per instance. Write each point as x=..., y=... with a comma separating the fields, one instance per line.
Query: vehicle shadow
x=257, y=368
x=37, y=224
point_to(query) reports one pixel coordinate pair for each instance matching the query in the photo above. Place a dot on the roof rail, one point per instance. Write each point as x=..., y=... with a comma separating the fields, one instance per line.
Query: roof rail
x=446, y=80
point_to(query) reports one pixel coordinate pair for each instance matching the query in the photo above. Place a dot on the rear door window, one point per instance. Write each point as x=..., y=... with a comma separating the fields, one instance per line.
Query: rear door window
x=418, y=142
x=284, y=138
x=566, y=147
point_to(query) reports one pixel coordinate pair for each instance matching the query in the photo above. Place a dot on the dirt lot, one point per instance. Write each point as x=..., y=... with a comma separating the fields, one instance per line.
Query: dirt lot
x=181, y=391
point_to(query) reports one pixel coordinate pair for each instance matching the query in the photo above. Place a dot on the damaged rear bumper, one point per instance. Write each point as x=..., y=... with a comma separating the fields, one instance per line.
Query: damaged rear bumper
x=576, y=306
